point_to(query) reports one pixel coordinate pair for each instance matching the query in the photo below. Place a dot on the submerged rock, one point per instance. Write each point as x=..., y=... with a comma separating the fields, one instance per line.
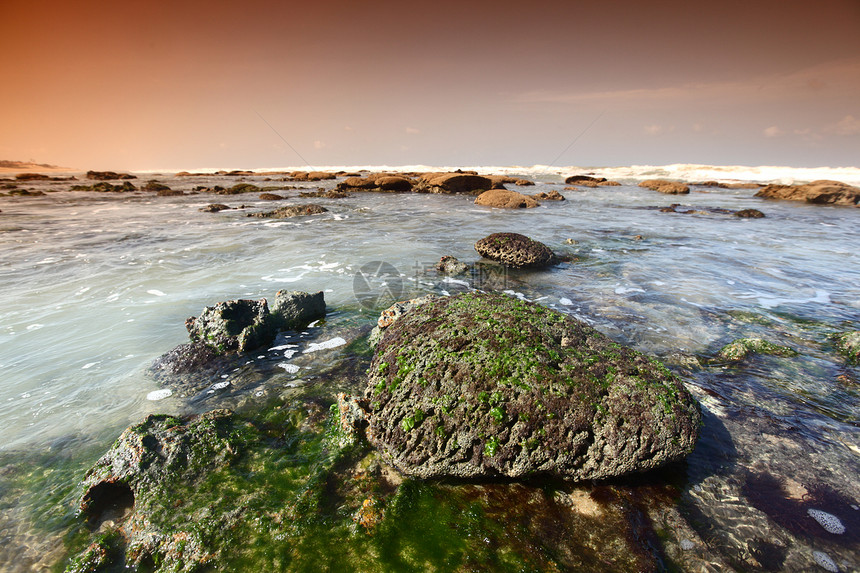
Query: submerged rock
x=214, y=208
x=743, y=347
x=108, y=175
x=820, y=192
x=515, y=250
x=480, y=385
x=505, y=199
x=848, y=344
x=749, y=214
x=666, y=186
x=291, y=211
x=271, y=197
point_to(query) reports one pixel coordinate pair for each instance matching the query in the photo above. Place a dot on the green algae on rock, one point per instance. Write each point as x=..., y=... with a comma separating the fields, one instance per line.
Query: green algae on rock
x=848, y=344
x=481, y=385
x=743, y=347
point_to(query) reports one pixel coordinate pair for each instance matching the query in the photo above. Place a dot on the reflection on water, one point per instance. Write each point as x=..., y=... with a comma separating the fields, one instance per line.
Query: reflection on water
x=96, y=287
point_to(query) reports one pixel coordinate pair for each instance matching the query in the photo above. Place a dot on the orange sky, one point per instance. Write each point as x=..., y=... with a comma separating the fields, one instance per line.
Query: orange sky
x=140, y=85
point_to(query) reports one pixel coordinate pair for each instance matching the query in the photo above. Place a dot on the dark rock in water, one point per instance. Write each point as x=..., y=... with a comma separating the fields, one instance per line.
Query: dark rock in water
x=326, y=193
x=820, y=192
x=154, y=186
x=105, y=187
x=185, y=358
x=271, y=197
x=515, y=250
x=749, y=214
x=665, y=186
x=291, y=211
x=232, y=325
x=524, y=182
x=449, y=265
x=108, y=175
x=553, y=195
x=583, y=180
x=26, y=193
x=848, y=344
x=393, y=183
x=505, y=199
x=480, y=385
x=237, y=189
x=32, y=177
x=214, y=208
x=170, y=193
x=294, y=309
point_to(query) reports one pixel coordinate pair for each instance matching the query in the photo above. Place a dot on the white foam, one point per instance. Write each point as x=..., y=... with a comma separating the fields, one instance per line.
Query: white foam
x=328, y=344
x=89, y=365
x=289, y=368
x=565, y=301
x=157, y=395
x=35, y=326
x=625, y=290
x=289, y=353
x=768, y=301
x=220, y=385
x=283, y=346
x=155, y=292
x=453, y=281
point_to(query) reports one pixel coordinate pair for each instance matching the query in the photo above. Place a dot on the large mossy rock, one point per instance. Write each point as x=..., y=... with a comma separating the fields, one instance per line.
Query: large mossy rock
x=481, y=385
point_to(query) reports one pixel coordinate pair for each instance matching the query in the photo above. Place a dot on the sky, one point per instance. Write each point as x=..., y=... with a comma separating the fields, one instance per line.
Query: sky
x=193, y=84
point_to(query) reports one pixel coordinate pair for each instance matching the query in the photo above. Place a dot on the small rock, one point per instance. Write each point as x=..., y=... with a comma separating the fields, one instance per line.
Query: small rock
x=749, y=214
x=271, y=197
x=515, y=250
x=214, y=208
x=505, y=199
x=449, y=265
x=551, y=196
x=743, y=347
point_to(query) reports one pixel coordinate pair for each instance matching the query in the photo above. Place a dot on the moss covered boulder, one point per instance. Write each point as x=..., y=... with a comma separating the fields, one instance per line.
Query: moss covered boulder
x=515, y=250
x=739, y=349
x=481, y=385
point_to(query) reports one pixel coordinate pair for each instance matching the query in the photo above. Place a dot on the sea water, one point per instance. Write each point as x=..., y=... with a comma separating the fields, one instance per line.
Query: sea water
x=97, y=286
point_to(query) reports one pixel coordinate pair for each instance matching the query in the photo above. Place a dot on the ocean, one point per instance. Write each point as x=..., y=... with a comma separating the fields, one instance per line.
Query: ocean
x=97, y=286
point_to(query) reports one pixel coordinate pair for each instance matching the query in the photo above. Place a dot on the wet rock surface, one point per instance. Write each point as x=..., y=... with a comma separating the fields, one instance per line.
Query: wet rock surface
x=451, y=266
x=505, y=199
x=666, y=186
x=291, y=211
x=480, y=385
x=822, y=192
x=743, y=347
x=515, y=250
x=848, y=344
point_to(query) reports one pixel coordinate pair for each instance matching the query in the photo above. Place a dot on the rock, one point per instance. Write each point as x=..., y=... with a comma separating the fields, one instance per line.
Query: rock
x=214, y=208
x=505, y=199
x=237, y=189
x=291, y=211
x=184, y=359
x=232, y=325
x=108, y=175
x=357, y=183
x=608, y=184
x=515, y=250
x=154, y=186
x=350, y=422
x=572, y=189
x=241, y=325
x=449, y=265
x=312, y=176
x=715, y=184
x=146, y=461
x=393, y=183
x=523, y=182
x=665, y=186
x=295, y=309
x=500, y=180
x=553, y=195
x=848, y=344
x=749, y=214
x=26, y=193
x=170, y=193
x=821, y=192
x=105, y=187
x=393, y=312
x=743, y=347
x=458, y=183
x=583, y=180
x=482, y=385
x=326, y=193
x=32, y=177
x=271, y=197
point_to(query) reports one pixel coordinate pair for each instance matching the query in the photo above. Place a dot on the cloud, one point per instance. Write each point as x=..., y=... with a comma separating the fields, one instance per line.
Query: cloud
x=412, y=131
x=319, y=144
x=773, y=131
x=848, y=125
x=657, y=129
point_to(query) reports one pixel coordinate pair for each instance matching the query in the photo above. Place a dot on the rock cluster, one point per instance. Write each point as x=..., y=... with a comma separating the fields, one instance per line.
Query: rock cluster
x=666, y=186
x=479, y=385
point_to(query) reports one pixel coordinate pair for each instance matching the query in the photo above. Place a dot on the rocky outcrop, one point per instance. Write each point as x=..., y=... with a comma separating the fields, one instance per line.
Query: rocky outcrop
x=381, y=182
x=583, y=180
x=108, y=175
x=241, y=325
x=154, y=186
x=393, y=183
x=821, y=192
x=666, y=186
x=312, y=175
x=291, y=211
x=515, y=250
x=743, y=347
x=449, y=183
x=449, y=265
x=105, y=187
x=505, y=199
x=214, y=208
x=480, y=385
x=553, y=195
x=237, y=189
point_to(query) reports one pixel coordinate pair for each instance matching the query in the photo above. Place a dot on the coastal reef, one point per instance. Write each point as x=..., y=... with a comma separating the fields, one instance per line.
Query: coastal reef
x=480, y=385
x=820, y=192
